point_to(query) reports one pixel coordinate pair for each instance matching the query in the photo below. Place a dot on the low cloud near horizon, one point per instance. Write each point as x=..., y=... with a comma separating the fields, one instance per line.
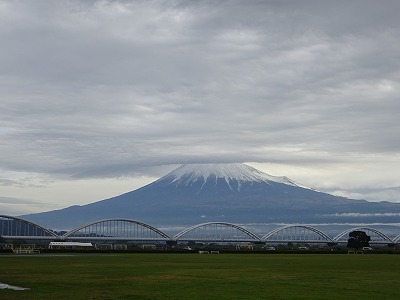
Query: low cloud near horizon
x=117, y=93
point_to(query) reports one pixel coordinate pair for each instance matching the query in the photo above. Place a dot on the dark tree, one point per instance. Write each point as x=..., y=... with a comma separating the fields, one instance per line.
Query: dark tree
x=358, y=239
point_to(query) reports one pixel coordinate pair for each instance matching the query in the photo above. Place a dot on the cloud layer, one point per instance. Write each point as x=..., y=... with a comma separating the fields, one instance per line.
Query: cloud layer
x=109, y=88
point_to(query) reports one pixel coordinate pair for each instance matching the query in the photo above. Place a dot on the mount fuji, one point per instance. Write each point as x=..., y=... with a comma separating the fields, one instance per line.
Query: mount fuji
x=235, y=193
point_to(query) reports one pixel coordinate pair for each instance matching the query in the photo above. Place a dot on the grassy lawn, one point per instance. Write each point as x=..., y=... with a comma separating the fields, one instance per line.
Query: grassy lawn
x=195, y=276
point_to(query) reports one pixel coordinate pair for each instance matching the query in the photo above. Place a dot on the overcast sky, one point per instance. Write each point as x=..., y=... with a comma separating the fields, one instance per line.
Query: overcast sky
x=98, y=98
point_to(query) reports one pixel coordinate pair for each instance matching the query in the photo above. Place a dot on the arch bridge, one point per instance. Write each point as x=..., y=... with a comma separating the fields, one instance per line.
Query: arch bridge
x=217, y=232
x=297, y=234
x=17, y=228
x=220, y=232
x=116, y=229
x=377, y=237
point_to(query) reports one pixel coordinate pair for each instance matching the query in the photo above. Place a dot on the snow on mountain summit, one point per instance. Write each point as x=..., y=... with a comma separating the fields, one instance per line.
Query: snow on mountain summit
x=189, y=173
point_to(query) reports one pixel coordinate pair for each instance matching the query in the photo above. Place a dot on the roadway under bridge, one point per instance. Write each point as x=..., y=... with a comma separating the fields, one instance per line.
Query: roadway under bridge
x=123, y=230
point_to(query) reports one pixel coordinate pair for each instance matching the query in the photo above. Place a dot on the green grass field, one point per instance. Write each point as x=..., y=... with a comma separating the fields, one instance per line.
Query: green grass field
x=195, y=276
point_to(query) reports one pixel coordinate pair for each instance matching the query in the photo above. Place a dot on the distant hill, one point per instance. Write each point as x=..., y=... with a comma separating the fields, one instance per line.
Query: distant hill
x=234, y=193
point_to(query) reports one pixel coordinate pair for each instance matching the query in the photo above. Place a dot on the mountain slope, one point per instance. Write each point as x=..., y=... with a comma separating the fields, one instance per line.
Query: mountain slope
x=234, y=193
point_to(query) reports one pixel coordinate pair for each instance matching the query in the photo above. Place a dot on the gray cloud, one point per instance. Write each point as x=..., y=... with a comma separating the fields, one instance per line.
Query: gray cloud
x=9, y=200
x=17, y=206
x=365, y=215
x=108, y=88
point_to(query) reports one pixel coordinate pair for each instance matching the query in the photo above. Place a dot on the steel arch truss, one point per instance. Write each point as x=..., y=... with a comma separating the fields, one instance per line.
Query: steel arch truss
x=377, y=237
x=17, y=228
x=397, y=239
x=297, y=234
x=116, y=229
x=217, y=232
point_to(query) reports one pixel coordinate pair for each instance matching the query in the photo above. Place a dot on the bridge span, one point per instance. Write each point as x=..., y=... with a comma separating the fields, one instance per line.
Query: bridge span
x=127, y=230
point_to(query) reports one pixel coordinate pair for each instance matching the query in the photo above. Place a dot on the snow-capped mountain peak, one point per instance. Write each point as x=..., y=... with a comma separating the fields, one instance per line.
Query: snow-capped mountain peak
x=189, y=173
x=238, y=193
